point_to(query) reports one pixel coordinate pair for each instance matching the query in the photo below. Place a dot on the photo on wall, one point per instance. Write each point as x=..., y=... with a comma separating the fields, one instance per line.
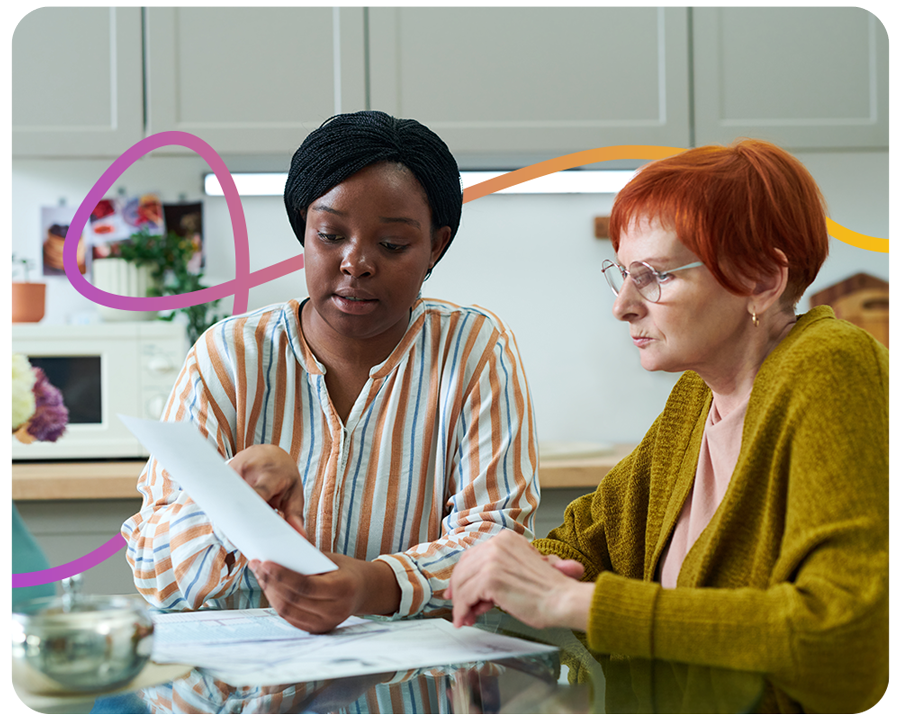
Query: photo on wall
x=186, y=220
x=114, y=220
x=55, y=222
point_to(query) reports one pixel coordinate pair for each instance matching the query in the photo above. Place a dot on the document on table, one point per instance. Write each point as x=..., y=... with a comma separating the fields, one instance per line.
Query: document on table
x=234, y=507
x=257, y=647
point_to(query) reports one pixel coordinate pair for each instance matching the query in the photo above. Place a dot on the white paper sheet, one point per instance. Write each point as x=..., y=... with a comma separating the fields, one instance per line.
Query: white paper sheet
x=233, y=506
x=240, y=647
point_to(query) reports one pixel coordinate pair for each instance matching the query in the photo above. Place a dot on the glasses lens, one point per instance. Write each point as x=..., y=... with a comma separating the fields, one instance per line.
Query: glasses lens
x=644, y=280
x=613, y=275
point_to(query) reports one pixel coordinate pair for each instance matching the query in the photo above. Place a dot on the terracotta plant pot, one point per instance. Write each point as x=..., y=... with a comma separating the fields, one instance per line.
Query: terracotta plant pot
x=28, y=302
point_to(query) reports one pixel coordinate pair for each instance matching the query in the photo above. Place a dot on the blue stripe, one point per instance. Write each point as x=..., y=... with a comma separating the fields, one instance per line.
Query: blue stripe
x=452, y=375
x=182, y=518
x=442, y=558
x=269, y=344
x=508, y=426
x=312, y=429
x=353, y=485
x=412, y=444
x=197, y=574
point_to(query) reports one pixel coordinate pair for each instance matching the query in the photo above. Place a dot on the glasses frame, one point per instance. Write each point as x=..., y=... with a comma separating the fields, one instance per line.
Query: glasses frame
x=657, y=276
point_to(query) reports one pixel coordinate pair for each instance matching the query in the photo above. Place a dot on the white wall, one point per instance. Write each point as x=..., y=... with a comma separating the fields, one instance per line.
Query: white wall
x=531, y=259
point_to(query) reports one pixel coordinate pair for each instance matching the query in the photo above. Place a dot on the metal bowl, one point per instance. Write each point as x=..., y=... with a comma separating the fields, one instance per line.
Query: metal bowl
x=95, y=644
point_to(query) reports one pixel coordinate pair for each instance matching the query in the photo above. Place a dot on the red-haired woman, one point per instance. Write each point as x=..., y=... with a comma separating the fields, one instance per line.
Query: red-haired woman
x=749, y=529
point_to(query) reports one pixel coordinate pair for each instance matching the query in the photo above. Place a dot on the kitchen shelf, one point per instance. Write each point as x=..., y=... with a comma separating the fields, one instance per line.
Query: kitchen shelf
x=75, y=480
x=118, y=480
x=582, y=472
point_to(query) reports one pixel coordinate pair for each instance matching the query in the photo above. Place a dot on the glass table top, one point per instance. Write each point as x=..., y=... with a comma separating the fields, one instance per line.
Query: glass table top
x=565, y=679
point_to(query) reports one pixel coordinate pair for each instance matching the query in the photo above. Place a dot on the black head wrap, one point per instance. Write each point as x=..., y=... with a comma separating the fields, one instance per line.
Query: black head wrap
x=345, y=144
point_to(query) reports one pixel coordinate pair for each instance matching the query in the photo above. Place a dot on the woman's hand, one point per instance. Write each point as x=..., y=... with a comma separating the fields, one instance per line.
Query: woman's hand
x=507, y=571
x=272, y=472
x=319, y=603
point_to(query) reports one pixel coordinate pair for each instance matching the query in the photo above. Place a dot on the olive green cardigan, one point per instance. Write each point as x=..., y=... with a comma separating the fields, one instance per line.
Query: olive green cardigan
x=790, y=577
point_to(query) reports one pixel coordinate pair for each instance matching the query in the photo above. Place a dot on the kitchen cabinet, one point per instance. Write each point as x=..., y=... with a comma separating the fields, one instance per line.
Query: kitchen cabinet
x=77, y=82
x=804, y=78
x=541, y=81
x=252, y=80
x=504, y=86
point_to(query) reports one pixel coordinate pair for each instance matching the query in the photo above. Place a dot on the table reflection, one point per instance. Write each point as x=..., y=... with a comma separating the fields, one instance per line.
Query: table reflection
x=567, y=679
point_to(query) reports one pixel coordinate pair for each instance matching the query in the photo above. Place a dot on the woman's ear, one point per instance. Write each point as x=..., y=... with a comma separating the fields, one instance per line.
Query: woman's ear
x=770, y=288
x=440, y=238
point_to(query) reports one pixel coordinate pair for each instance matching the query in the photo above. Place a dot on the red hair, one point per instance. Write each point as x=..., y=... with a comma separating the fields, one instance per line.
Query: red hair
x=733, y=207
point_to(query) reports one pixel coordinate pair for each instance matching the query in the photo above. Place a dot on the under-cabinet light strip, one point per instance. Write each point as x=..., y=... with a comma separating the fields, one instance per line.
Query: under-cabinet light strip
x=564, y=182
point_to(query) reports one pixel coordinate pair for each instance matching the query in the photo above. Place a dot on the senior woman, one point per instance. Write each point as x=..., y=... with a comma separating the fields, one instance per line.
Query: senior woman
x=749, y=528
x=391, y=430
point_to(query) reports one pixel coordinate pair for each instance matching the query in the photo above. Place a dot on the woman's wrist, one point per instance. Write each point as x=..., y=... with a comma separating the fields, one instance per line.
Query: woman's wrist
x=573, y=609
x=379, y=593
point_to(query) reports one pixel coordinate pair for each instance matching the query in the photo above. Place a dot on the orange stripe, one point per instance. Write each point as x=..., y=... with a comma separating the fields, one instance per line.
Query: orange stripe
x=395, y=480
x=439, y=491
x=473, y=401
x=219, y=368
x=259, y=335
x=365, y=511
x=323, y=494
x=240, y=378
x=496, y=432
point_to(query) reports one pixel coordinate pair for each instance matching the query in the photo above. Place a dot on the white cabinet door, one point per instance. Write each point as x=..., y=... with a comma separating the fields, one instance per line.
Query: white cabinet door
x=252, y=80
x=804, y=78
x=77, y=82
x=534, y=82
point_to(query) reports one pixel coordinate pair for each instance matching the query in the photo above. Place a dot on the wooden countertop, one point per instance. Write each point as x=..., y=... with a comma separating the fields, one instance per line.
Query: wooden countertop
x=113, y=480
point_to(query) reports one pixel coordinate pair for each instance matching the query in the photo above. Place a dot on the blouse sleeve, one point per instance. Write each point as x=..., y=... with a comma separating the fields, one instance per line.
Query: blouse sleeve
x=178, y=557
x=491, y=481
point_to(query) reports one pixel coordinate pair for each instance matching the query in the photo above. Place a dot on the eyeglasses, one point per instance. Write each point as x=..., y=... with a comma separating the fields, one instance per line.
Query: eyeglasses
x=644, y=277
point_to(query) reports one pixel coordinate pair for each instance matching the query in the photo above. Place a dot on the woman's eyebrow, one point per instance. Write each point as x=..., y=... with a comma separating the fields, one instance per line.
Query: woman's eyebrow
x=322, y=207
x=404, y=220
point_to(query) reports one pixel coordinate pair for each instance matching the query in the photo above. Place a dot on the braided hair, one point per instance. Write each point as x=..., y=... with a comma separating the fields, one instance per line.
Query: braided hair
x=345, y=144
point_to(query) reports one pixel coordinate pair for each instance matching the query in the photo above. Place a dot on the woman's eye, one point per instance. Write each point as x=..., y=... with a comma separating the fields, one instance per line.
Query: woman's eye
x=328, y=237
x=392, y=247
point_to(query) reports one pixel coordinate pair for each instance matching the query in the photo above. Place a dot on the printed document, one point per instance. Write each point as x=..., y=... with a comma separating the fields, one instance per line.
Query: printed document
x=232, y=505
x=257, y=647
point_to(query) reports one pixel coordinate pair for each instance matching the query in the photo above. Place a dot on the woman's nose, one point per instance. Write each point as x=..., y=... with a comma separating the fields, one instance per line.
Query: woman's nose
x=629, y=302
x=356, y=261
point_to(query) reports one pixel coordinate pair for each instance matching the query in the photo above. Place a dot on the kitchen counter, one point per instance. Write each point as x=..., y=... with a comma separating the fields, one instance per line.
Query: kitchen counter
x=116, y=480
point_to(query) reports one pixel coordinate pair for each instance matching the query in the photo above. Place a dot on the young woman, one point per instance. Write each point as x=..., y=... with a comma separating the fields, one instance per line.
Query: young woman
x=392, y=430
x=749, y=529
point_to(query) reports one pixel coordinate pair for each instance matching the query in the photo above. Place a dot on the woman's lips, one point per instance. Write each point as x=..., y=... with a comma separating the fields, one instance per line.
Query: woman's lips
x=641, y=342
x=353, y=304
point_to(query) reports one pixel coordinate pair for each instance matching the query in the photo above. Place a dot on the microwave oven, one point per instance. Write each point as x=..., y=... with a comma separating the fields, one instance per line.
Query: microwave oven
x=102, y=370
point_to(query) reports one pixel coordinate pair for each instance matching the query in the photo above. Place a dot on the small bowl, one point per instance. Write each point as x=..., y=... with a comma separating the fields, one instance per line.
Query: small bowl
x=99, y=643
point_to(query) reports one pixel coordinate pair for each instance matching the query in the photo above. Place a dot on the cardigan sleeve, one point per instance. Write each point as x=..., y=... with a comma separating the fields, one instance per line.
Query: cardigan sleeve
x=605, y=530
x=817, y=628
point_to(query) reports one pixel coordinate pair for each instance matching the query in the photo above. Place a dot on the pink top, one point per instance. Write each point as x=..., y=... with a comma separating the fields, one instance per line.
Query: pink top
x=719, y=450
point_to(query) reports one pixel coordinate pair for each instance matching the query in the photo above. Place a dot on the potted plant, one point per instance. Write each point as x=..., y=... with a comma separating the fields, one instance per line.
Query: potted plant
x=165, y=259
x=27, y=297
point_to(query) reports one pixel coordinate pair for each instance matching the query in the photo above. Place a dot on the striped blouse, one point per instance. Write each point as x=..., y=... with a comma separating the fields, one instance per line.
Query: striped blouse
x=438, y=452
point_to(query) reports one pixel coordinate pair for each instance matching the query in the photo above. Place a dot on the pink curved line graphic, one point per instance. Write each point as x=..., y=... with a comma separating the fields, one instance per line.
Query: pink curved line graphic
x=86, y=562
x=244, y=280
x=239, y=286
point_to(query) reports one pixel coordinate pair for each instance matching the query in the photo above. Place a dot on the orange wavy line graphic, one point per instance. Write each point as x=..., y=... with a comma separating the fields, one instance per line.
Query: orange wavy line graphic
x=635, y=152
x=866, y=242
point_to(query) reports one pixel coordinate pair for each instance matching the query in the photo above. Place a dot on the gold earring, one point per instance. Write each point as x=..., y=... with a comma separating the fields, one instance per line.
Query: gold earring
x=754, y=319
